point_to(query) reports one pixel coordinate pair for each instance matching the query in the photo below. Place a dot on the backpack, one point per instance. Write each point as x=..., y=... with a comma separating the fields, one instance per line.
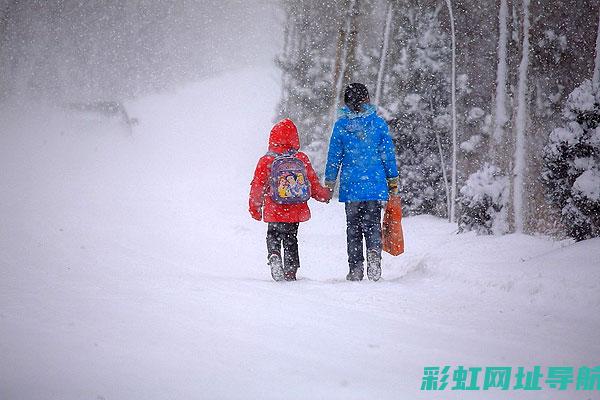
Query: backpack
x=288, y=179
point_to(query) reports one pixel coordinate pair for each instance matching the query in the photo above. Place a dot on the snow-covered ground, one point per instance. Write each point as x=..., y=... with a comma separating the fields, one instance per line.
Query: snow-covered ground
x=130, y=269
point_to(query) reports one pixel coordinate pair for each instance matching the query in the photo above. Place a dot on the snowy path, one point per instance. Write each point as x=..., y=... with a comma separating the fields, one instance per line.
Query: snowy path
x=129, y=269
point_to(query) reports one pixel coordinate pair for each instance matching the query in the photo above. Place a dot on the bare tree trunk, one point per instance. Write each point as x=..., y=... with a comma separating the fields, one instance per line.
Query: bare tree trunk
x=384, y=50
x=338, y=67
x=442, y=166
x=454, y=138
x=345, y=46
x=352, y=43
x=596, y=78
x=288, y=51
x=501, y=75
x=285, y=58
x=520, y=150
x=444, y=174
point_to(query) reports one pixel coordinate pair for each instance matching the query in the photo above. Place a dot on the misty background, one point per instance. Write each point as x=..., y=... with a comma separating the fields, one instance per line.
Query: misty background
x=72, y=50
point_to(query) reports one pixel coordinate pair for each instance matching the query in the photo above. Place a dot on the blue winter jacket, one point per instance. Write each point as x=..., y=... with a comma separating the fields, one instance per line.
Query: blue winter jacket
x=361, y=146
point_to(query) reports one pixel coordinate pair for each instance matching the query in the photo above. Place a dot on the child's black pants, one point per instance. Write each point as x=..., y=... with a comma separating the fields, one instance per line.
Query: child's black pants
x=363, y=219
x=285, y=233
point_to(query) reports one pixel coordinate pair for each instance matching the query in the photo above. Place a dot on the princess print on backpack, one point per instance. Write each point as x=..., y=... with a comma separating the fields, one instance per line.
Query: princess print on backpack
x=283, y=182
x=288, y=182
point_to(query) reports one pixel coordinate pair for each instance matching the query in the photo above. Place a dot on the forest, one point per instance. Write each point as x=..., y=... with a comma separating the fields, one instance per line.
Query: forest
x=493, y=105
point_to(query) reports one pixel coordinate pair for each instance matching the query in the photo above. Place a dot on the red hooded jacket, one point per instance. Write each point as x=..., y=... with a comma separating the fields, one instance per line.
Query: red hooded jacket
x=284, y=137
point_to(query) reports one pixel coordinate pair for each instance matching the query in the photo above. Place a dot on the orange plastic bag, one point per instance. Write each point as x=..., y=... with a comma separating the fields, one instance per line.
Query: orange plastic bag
x=393, y=238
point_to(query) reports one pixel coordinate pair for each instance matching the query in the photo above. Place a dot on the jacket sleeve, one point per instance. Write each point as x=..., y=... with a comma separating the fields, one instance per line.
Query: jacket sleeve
x=334, y=154
x=386, y=150
x=258, y=186
x=318, y=191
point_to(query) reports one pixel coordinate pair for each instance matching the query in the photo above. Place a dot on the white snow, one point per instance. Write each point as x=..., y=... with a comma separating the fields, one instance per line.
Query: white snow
x=584, y=163
x=130, y=269
x=475, y=113
x=588, y=184
x=412, y=102
x=486, y=181
x=442, y=121
x=582, y=98
x=488, y=187
x=469, y=146
x=570, y=134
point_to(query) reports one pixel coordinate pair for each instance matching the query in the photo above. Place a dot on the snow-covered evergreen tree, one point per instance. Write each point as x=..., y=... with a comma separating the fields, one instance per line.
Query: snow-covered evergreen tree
x=415, y=100
x=307, y=63
x=308, y=99
x=484, y=200
x=571, y=171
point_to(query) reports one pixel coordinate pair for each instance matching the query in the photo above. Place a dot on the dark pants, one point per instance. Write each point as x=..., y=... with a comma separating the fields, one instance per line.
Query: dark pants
x=285, y=233
x=363, y=219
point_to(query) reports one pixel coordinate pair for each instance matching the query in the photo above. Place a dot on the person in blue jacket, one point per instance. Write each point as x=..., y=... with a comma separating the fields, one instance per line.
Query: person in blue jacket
x=361, y=147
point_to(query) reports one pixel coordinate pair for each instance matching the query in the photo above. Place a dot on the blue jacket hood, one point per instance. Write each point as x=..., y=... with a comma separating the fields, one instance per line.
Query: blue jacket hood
x=368, y=109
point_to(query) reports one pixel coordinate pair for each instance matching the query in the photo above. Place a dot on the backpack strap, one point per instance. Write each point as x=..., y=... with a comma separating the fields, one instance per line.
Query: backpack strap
x=291, y=152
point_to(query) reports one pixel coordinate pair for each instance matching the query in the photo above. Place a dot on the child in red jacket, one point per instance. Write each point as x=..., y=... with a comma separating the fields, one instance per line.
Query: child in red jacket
x=284, y=216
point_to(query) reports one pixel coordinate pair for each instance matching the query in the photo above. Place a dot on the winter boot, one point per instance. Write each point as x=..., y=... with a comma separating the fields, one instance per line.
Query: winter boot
x=276, y=267
x=356, y=273
x=289, y=274
x=373, y=265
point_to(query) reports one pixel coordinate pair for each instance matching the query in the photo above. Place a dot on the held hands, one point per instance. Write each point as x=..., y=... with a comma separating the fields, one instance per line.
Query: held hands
x=329, y=196
x=393, y=186
x=330, y=185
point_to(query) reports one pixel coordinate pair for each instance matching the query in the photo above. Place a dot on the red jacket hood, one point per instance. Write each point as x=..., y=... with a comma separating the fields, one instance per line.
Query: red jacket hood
x=284, y=137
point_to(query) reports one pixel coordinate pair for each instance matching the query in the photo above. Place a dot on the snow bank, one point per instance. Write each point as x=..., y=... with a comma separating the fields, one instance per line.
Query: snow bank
x=588, y=185
x=484, y=199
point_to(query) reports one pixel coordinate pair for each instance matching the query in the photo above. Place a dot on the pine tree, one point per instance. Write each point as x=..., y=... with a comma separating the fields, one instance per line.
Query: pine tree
x=484, y=199
x=571, y=170
x=415, y=100
x=307, y=63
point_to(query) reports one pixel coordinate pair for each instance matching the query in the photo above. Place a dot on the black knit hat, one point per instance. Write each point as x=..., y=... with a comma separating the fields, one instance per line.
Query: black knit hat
x=355, y=95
